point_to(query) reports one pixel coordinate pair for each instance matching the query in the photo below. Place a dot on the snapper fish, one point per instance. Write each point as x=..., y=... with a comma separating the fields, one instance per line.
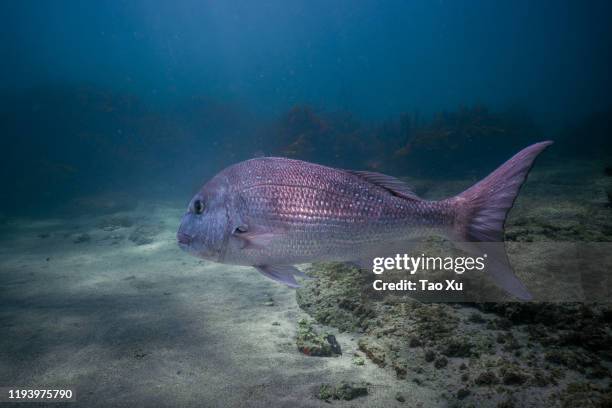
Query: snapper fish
x=273, y=213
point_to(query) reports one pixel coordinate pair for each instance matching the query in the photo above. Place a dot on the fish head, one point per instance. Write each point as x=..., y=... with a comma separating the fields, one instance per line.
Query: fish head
x=204, y=228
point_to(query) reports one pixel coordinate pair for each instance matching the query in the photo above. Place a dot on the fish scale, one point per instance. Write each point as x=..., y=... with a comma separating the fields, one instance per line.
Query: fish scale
x=324, y=210
x=272, y=213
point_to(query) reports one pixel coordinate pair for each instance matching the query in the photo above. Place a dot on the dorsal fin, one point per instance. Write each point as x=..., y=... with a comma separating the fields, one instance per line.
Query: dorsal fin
x=395, y=186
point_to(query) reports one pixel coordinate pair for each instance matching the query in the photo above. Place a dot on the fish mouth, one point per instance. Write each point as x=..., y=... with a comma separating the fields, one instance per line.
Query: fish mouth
x=183, y=239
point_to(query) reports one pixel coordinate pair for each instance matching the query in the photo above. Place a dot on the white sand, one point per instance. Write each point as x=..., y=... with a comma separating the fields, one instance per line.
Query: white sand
x=149, y=325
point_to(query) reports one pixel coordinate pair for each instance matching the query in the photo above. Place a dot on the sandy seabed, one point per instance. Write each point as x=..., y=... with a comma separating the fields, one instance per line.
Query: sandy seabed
x=110, y=307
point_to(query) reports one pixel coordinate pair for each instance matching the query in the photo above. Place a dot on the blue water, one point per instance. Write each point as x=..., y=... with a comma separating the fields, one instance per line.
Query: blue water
x=153, y=97
x=113, y=113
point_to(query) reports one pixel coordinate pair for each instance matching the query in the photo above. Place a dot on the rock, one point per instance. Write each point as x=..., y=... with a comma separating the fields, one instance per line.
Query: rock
x=415, y=342
x=373, y=350
x=499, y=324
x=333, y=343
x=486, y=378
x=342, y=391
x=334, y=298
x=458, y=348
x=508, y=403
x=311, y=343
x=358, y=361
x=401, y=368
x=517, y=345
x=539, y=379
x=598, y=372
x=462, y=393
x=476, y=318
x=556, y=357
x=441, y=362
x=512, y=376
x=400, y=397
x=583, y=394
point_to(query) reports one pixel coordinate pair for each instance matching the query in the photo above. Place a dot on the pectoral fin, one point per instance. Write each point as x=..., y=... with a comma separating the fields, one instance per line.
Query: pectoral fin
x=255, y=237
x=281, y=273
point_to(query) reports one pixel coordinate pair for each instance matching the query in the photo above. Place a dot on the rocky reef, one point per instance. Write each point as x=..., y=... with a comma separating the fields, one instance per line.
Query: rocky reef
x=504, y=354
x=488, y=354
x=342, y=391
x=315, y=344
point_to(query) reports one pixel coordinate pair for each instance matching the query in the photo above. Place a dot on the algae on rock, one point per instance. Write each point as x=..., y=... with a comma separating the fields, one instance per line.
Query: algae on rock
x=314, y=344
x=342, y=391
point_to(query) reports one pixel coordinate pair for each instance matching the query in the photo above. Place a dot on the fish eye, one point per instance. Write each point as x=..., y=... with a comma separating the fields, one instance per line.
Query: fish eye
x=198, y=206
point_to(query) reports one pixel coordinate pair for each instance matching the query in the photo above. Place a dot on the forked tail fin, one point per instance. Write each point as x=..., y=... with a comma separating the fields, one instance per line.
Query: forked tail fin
x=481, y=212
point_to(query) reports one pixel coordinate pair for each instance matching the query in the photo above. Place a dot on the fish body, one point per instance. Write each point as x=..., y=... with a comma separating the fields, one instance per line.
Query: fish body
x=273, y=213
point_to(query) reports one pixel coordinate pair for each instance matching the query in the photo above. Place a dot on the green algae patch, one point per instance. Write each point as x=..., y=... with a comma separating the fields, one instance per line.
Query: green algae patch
x=358, y=361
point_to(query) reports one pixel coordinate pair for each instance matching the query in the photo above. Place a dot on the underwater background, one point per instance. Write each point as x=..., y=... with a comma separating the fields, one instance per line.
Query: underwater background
x=114, y=113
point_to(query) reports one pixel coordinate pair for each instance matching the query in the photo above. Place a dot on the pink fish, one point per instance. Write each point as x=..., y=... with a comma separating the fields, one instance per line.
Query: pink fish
x=272, y=213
